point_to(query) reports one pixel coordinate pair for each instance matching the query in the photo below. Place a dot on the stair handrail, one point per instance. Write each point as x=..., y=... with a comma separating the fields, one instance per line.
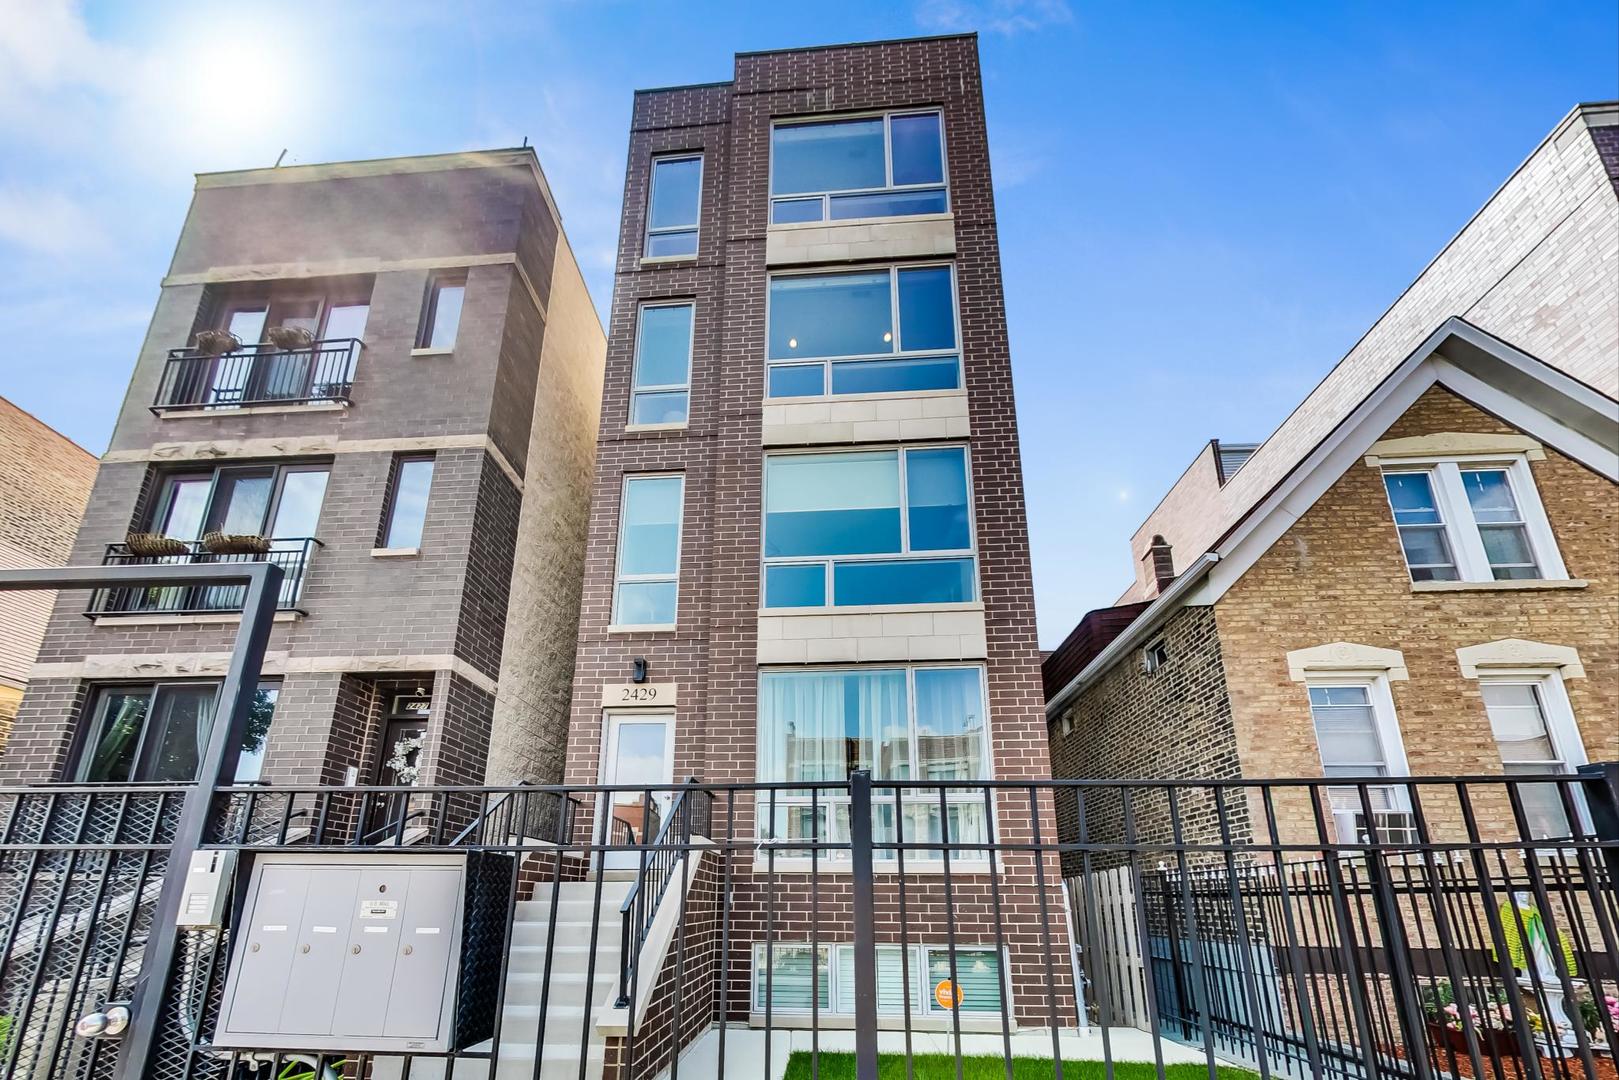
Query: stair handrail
x=570, y=809
x=656, y=870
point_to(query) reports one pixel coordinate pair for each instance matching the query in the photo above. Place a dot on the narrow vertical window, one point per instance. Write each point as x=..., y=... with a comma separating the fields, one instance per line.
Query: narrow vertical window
x=1421, y=525
x=662, y=388
x=1354, y=741
x=442, y=318
x=1501, y=526
x=1521, y=724
x=646, y=584
x=672, y=208
x=407, y=502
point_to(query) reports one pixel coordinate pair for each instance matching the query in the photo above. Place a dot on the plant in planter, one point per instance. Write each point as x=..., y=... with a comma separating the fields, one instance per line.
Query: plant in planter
x=1490, y=1020
x=217, y=342
x=290, y=337
x=149, y=545
x=218, y=543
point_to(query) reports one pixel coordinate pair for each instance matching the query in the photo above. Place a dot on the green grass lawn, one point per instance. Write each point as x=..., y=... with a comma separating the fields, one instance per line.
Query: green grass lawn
x=943, y=1067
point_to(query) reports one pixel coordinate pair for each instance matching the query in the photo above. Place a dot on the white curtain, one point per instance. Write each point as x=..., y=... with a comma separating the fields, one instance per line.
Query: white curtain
x=819, y=726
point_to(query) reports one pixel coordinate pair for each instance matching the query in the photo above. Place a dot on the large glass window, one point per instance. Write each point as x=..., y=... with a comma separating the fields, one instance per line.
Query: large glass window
x=868, y=527
x=441, y=318
x=672, y=210
x=784, y=976
x=866, y=332
x=156, y=733
x=1461, y=521
x=923, y=723
x=1355, y=741
x=864, y=167
x=662, y=387
x=407, y=502
x=646, y=585
x=1521, y=721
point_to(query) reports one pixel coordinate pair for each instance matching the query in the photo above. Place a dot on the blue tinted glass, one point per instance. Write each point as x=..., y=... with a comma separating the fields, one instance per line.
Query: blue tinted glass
x=936, y=495
x=675, y=194
x=918, y=151
x=664, y=349
x=650, y=527
x=1411, y=495
x=927, y=317
x=926, y=581
x=662, y=245
x=842, y=155
x=661, y=408
x=894, y=376
x=1490, y=495
x=798, y=381
x=790, y=211
x=412, y=480
x=832, y=504
x=645, y=603
x=830, y=315
x=795, y=586
x=891, y=204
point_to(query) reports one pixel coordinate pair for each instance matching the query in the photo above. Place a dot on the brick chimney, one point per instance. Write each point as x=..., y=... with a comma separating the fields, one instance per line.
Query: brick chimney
x=1161, y=562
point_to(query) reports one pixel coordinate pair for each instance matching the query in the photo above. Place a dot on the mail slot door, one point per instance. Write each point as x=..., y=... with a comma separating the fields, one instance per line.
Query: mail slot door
x=270, y=939
x=372, y=951
x=431, y=917
x=318, y=960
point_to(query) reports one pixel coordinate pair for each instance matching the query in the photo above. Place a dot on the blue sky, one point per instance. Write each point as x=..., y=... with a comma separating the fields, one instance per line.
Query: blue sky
x=1202, y=206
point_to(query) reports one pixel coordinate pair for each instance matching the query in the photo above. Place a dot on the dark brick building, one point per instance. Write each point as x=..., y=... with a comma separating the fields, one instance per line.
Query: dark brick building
x=808, y=515
x=408, y=401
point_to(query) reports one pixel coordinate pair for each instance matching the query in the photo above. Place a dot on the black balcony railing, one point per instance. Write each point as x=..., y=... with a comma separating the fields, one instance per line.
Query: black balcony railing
x=259, y=375
x=291, y=554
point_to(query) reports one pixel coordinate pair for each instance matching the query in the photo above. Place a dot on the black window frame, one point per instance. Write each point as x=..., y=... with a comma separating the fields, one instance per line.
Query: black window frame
x=90, y=717
x=390, y=504
x=436, y=281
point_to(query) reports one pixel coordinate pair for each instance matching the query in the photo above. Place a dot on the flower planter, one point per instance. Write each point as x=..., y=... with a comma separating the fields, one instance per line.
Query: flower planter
x=217, y=342
x=155, y=545
x=235, y=544
x=1492, y=1042
x=290, y=337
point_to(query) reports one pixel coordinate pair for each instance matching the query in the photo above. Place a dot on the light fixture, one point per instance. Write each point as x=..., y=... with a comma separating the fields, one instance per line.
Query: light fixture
x=90, y=1025
x=421, y=691
x=638, y=670
x=117, y=1019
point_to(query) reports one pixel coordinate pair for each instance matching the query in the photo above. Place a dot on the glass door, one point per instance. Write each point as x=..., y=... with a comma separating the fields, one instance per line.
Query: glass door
x=334, y=377
x=639, y=752
x=233, y=371
x=284, y=375
x=293, y=524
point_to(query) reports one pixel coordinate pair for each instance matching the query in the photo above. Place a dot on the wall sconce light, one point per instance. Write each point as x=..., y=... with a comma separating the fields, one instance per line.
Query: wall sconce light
x=638, y=670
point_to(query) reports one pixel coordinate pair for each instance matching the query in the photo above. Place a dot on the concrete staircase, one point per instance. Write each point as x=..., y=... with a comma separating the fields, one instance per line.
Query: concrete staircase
x=570, y=1032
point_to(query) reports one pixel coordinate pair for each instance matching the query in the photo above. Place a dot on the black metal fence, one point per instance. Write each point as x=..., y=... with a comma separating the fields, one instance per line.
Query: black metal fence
x=259, y=375
x=767, y=930
x=290, y=554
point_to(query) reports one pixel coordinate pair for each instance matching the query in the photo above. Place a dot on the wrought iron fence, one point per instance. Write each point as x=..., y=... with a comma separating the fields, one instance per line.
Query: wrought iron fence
x=1216, y=925
x=259, y=375
x=291, y=554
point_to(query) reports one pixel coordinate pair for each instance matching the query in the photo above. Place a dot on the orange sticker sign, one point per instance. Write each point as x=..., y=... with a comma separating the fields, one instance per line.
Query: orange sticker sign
x=947, y=994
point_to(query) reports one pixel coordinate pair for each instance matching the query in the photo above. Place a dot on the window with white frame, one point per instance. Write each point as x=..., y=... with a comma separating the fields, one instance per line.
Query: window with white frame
x=674, y=205
x=786, y=980
x=1536, y=733
x=646, y=584
x=1471, y=519
x=661, y=390
x=858, y=167
x=868, y=527
x=900, y=723
x=1357, y=736
x=879, y=331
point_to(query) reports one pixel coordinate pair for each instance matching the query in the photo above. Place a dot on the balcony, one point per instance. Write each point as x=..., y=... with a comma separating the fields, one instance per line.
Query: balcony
x=258, y=375
x=292, y=554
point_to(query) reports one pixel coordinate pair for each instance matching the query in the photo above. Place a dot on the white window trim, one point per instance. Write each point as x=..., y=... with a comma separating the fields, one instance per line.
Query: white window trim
x=888, y=167
x=1387, y=725
x=695, y=227
x=620, y=578
x=826, y=363
x=1561, y=724
x=904, y=554
x=635, y=367
x=1461, y=529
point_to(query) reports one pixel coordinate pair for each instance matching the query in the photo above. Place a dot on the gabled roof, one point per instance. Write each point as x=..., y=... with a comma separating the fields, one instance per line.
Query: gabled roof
x=1577, y=420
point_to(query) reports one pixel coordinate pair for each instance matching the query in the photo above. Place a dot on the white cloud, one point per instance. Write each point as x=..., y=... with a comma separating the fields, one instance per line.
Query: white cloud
x=1006, y=17
x=48, y=223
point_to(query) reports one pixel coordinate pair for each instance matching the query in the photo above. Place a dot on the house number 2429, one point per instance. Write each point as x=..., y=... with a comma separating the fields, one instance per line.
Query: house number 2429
x=641, y=694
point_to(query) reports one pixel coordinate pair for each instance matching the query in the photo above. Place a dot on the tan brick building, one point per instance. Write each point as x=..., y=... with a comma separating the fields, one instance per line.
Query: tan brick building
x=46, y=478
x=1427, y=582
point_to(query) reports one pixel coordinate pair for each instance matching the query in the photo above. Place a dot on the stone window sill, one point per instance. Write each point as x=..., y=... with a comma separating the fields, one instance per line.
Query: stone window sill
x=636, y=429
x=664, y=260
x=655, y=628
x=395, y=553
x=801, y=226
x=433, y=352
x=221, y=619
x=1495, y=586
x=886, y=395
x=255, y=410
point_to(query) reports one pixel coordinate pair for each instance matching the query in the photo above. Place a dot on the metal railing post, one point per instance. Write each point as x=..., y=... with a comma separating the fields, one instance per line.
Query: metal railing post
x=865, y=927
x=1600, y=783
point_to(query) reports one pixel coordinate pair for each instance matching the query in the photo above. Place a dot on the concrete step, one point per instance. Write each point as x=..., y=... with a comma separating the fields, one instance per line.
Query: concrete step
x=568, y=988
x=567, y=958
x=613, y=892
x=570, y=907
x=538, y=933
x=563, y=1023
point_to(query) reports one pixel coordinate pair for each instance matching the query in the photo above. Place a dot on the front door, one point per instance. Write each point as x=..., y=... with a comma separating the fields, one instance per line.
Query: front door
x=640, y=751
x=399, y=758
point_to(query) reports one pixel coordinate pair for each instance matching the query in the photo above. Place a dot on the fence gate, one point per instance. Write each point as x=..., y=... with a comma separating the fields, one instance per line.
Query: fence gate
x=1110, y=949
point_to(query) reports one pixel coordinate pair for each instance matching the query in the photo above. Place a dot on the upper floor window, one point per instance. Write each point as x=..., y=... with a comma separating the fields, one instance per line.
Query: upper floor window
x=1472, y=520
x=662, y=388
x=441, y=316
x=870, y=331
x=1357, y=736
x=868, y=527
x=407, y=501
x=157, y=732
x=672, y=208
x=862, y=167
x=646, y=585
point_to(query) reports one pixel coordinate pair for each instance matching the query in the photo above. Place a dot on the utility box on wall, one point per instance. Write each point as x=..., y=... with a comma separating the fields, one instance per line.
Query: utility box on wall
x=365, y=952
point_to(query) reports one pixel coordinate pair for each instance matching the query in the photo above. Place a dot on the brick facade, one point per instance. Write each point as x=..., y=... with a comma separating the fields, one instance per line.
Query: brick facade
x=712, y=654
x=435, y=618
